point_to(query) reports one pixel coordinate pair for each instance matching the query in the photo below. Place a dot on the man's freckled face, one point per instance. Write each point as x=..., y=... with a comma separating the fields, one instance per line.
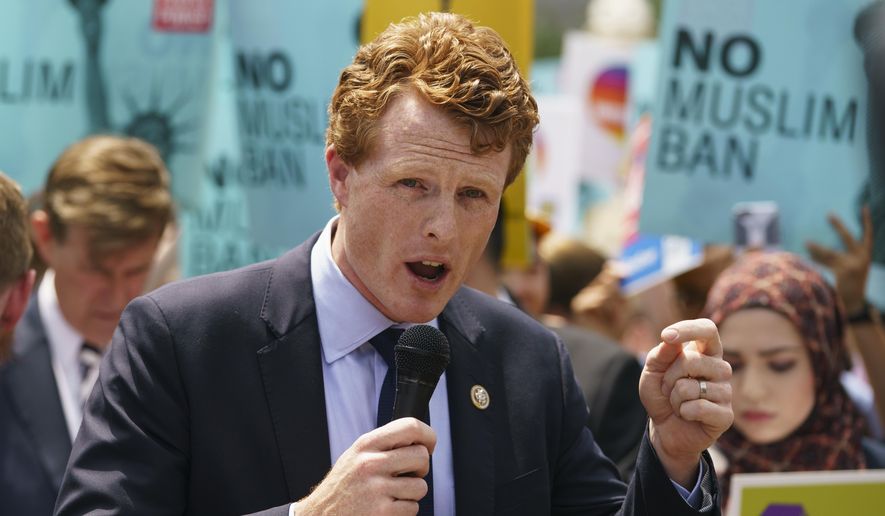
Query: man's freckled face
x=416, y=213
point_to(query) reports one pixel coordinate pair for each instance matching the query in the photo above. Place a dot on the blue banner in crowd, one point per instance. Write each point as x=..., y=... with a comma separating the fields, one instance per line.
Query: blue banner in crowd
x=757, y=101
x=73, y=68
x=287, y=59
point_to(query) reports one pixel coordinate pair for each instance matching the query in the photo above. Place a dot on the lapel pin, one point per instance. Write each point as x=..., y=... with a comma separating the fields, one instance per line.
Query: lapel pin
x=480, y=397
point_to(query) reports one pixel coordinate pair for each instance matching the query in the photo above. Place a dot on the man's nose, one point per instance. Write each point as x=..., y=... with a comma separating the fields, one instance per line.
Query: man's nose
x=119, y=292
x=441, y=221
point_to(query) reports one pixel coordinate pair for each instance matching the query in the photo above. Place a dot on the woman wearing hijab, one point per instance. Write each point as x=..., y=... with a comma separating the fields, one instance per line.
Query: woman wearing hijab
x=783, y=334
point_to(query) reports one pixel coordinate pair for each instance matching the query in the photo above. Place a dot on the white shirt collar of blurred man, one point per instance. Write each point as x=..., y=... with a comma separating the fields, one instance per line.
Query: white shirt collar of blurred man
x=64, y=346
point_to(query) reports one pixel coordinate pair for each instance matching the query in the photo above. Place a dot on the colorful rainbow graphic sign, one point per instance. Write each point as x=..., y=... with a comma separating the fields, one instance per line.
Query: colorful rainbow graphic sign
x=607, y=100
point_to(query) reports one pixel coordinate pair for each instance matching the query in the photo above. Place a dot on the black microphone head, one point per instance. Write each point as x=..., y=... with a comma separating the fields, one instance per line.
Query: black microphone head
x=422, y=352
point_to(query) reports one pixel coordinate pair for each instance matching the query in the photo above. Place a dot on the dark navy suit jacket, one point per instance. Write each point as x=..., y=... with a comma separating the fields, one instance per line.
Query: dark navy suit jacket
x=210, y=401
x=34, y=440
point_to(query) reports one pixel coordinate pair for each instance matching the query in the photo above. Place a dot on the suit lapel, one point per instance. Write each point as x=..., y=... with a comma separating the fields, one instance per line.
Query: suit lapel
x=34, y=395
x=292, y=372
x=472, y=429
x=293, y=383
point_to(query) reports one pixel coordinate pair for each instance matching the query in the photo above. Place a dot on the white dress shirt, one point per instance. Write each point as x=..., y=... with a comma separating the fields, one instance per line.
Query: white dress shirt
x=353, y=372
x=64, y=347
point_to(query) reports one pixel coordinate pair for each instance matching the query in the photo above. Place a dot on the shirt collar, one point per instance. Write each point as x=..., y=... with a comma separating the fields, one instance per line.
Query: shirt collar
x=64, y=340
x=345, y=318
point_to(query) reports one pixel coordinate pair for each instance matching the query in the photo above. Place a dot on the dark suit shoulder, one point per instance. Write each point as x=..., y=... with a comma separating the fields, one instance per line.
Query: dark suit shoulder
x=30, y=334
x=602, y=348
x=503, y=321
x=206, y=312
x=217, y=288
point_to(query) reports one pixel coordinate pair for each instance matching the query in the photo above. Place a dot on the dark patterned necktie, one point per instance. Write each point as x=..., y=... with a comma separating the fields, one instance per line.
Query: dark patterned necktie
x=383, y=344
x=90, y=358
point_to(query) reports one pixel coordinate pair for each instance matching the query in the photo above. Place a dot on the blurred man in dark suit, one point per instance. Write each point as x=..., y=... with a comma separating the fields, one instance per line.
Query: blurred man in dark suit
x=106, y=203
x=605, y=371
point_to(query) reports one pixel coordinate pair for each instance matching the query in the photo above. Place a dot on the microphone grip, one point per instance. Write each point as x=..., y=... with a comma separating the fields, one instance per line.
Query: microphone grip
x=412, y=399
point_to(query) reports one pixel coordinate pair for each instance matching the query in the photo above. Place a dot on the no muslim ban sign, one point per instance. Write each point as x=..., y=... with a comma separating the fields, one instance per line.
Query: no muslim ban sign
x=757, y=101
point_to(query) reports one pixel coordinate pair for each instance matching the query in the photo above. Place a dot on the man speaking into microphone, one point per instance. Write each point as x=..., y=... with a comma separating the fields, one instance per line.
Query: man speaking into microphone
x=267, y=388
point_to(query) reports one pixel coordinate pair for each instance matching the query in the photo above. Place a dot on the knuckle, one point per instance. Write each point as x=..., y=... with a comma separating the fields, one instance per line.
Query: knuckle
x=413, y=425
x=683, y=387
x=687, y=411
x=368, y=464
x=724, y=369
x=362, y=442
x=726, y=393
x=674, y=400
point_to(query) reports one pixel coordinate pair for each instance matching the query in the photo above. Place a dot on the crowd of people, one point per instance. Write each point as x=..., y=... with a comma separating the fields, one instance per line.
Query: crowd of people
x=261, y=389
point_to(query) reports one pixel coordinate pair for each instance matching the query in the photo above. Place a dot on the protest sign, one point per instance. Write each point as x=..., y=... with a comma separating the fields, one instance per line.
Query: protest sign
x=74, y=68
x=554, y=163
x=817, y=493
x=595, y=70
x=217, y=231
x=757, y=101
x=287, y=58
x=648, y=260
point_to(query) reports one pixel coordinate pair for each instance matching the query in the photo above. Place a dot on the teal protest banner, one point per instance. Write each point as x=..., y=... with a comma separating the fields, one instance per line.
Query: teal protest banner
x=287, y=58
x=73, y=68
x=216, y=230
x=758, y=101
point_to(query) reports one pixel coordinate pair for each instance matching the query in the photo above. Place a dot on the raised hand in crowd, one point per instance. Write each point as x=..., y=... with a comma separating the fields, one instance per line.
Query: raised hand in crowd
x=851, y=268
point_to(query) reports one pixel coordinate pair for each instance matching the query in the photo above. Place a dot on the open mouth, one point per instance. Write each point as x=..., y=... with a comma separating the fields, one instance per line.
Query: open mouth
x=428, y=270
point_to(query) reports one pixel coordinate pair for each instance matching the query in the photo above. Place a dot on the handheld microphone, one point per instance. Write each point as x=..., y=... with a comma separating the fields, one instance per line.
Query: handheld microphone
x=421, y=354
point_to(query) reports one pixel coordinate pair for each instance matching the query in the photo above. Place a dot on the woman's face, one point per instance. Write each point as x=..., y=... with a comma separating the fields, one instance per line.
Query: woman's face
x=773, y=381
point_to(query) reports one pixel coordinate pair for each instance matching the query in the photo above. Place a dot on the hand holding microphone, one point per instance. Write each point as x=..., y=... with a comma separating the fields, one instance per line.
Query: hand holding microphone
x=383, y=471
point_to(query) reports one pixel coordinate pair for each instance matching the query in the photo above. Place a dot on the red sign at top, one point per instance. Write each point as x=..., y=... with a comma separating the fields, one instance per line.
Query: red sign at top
x=182, y=15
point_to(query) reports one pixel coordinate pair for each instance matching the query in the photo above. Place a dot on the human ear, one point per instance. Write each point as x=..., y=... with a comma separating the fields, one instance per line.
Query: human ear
x=17, y=301
x=43, y=238
x=338, y=173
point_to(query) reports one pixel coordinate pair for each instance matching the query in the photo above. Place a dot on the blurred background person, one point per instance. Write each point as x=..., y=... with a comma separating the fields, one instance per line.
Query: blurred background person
x=587, y=288
x=869, y=32
x=15, y=256
x=692, y=286
x=606, y=373
x=106, y=203
x=865, y=334
x=16, y=280
x=783, y=333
